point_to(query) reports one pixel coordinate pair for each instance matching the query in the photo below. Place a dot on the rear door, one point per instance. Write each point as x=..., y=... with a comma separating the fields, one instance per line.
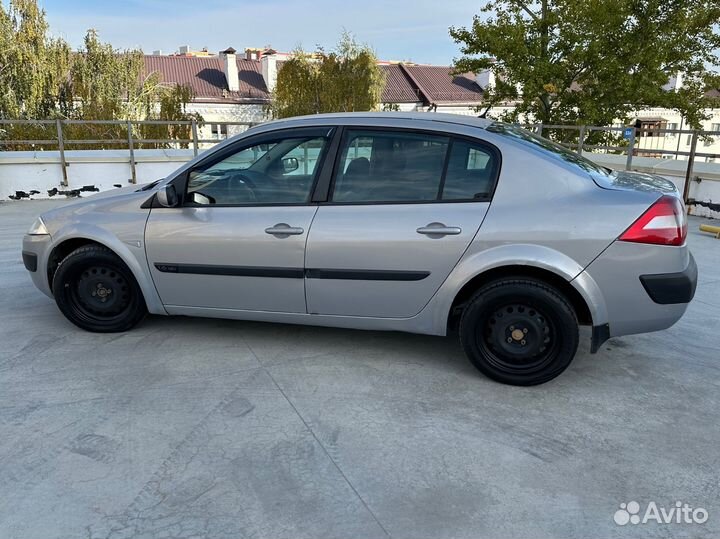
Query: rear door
x=403, y=207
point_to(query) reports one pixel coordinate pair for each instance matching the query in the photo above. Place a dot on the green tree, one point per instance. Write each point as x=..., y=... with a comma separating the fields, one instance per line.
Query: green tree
x=33, y=70
x=41, y=78
x=344, y=80
x=592, y=62
x=109, y=84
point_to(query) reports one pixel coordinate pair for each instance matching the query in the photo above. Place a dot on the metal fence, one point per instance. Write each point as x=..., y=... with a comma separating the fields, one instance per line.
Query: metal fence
x=127, y=134
x=124, y=135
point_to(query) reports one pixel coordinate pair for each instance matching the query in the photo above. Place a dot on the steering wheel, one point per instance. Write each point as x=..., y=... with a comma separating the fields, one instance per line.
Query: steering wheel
x=240, y=184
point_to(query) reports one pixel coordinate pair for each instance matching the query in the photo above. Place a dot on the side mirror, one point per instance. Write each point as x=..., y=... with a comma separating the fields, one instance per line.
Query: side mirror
x=290, y=164
x=167, y=196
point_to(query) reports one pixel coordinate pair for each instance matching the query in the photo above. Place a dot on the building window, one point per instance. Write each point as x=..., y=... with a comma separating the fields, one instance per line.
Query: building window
x=671, y=126
x=219, y=131
x=688, y=141
x=715, y=128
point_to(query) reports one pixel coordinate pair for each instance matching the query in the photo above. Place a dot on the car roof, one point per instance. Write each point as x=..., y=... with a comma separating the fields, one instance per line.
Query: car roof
x=340, y=118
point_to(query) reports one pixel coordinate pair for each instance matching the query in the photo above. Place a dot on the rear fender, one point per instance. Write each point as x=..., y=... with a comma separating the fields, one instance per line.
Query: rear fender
x=535, y=256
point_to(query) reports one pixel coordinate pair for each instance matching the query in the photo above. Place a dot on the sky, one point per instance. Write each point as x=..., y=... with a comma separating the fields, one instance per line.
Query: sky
x=411, y=30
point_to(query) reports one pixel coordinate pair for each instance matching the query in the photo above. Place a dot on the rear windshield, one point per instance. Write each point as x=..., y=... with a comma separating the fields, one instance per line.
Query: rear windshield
x=527, y=138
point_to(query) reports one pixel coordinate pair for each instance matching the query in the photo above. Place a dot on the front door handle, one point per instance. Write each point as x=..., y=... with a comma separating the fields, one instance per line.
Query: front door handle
x=283, y=230
x=438, y=230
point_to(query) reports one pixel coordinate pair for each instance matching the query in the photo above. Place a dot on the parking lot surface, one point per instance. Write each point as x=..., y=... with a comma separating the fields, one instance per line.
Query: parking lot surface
x=207, y=428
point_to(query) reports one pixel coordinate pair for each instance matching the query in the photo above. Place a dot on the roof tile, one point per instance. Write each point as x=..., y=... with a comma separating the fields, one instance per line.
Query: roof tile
x=206, y=77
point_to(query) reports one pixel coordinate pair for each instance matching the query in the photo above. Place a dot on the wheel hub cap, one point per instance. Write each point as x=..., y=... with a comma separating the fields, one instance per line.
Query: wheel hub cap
x=102, y=291
x=518, y=333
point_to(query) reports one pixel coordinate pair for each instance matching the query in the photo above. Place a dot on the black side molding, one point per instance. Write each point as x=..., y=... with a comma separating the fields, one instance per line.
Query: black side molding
x=233, y=271
x=30, y=261
x=294, y=273
x=671, y=288
x=366, y=275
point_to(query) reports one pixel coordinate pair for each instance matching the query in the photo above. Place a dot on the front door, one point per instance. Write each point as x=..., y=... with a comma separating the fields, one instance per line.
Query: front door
x=238, y=240
x=403, y=209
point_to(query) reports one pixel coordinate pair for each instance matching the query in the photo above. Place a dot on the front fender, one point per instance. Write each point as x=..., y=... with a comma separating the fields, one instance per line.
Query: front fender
x=536, y=256
x=130, y=249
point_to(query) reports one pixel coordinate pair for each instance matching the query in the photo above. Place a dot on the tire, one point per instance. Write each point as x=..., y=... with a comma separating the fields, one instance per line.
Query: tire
x=519, y=331
x=97, y=292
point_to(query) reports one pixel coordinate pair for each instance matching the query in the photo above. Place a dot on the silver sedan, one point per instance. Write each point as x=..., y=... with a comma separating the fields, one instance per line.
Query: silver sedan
x=426, y=223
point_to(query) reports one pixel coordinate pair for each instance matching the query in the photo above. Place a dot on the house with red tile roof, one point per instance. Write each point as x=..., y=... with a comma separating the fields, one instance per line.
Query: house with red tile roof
x=231, y=87
x=235, y=87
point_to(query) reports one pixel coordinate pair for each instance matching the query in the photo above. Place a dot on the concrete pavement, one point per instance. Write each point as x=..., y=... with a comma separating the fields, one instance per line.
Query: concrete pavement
x=207, y=428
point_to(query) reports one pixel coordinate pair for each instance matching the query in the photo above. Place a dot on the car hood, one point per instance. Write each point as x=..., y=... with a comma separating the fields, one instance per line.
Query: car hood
x=122, y=191
x=125, y=199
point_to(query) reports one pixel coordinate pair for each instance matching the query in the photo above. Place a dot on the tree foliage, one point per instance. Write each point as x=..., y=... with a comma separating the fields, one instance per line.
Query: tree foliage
x=344, y=80
x=41, y=78
x=592, y=62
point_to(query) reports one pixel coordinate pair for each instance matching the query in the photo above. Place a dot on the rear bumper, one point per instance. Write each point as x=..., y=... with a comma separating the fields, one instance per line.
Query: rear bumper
x=671, y=288
x=621, y=273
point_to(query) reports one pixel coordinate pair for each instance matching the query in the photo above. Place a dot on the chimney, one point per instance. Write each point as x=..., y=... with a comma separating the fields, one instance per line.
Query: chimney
x=230, y=68
x=486, y=79
x=268, y=62
x=679, y=81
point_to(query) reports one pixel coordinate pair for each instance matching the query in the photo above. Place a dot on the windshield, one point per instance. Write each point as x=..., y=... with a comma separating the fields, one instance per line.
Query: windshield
x=530, y=139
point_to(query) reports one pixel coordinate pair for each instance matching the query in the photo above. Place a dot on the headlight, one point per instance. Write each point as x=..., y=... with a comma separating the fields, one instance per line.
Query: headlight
x=38, y=228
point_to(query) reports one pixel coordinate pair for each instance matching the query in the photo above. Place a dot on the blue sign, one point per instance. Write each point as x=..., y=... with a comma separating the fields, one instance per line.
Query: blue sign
x=628, y=132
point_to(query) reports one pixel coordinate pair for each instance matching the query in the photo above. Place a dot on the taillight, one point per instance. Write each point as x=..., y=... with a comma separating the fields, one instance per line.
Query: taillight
x=664, y=223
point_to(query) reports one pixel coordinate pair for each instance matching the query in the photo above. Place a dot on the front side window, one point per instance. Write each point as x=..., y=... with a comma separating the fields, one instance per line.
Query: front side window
x=389, y=166
x=275, y=172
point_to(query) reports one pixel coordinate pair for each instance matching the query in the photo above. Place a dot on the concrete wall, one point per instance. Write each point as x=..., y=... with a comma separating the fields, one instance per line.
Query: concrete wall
x=39, y=174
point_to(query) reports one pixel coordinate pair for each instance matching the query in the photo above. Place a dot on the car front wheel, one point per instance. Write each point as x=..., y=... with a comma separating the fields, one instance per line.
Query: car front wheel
x=519, y=331
x=96, y=291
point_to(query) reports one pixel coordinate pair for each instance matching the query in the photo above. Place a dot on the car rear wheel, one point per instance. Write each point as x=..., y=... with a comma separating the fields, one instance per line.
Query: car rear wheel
x=519, y=331
x=96, y=291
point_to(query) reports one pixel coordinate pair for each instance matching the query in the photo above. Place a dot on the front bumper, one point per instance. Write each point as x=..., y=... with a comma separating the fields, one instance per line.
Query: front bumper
x=35, y=252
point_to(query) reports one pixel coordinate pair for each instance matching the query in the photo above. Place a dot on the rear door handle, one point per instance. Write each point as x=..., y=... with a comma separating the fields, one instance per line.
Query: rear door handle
x=283, y=230
x=438, y=230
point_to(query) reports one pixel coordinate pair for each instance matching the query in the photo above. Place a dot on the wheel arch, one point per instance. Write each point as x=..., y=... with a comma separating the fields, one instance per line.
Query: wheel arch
x=576, y=299
x=68, y=242
x=522, y=260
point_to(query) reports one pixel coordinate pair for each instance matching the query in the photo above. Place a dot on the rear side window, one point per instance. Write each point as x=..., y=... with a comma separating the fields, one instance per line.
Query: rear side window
x=390, y=166
x=470, y=172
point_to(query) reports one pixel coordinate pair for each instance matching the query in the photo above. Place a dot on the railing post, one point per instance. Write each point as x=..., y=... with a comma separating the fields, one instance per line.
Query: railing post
x=540, y=129
x=691, y=164
x=61, y=148
x=581, y=140
x=195, y=137
x=631, y=150
x=133, y=177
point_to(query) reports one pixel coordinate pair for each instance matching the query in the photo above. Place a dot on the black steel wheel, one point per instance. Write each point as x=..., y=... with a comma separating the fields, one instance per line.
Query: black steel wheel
x=96, y=291
x=519, y=331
